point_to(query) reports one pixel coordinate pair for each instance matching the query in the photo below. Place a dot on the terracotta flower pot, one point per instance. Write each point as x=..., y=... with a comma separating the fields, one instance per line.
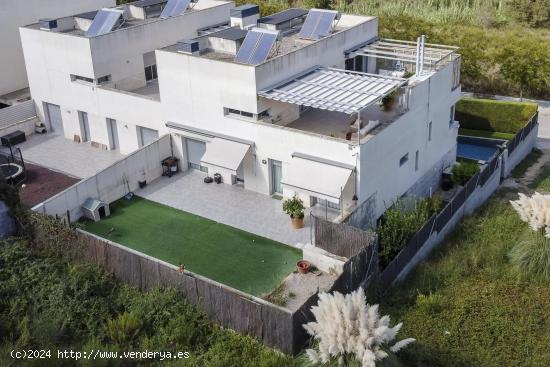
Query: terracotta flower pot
x=303, y=266
x=297, y=223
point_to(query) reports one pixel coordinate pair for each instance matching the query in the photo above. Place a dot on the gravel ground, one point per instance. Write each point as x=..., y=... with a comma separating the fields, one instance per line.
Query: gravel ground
x=304, y=286
x=43, y=183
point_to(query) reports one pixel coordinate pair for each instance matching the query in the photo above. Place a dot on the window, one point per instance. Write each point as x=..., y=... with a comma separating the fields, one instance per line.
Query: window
x=430, y=131
x=151, y=73
x=79, y=78
x=452, y=116
x=404, y=159
x=264, y=114
x=416, y=160
x=247, y=115
x=104, y=79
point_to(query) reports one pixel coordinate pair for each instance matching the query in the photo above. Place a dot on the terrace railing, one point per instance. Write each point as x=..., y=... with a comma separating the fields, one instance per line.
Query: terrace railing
x=522, y=134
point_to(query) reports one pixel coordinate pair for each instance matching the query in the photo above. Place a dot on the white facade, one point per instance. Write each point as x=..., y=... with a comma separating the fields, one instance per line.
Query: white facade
x=17, y=13
x=207, y=101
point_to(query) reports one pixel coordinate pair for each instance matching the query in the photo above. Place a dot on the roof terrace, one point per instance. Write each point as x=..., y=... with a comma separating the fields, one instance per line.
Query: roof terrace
x=103, y=21
x=266, y=38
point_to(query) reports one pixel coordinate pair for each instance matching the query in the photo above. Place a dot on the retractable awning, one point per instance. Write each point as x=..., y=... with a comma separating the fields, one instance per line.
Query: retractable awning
x=315, y=176
x=334, y=89
x=225, y=153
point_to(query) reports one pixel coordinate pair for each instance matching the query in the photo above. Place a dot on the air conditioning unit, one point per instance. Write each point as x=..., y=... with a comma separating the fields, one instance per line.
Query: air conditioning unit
x=188, y=47
x=48, y=24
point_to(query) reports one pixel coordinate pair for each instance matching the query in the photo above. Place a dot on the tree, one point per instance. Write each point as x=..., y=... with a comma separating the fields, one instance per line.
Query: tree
x=524, y=62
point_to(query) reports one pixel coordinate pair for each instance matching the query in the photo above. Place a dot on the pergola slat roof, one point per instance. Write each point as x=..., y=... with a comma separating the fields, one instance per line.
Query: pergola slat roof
x=406, y=51
x=334, y=89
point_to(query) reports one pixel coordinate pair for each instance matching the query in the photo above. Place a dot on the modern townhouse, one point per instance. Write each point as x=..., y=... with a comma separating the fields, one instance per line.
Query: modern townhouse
x=308, y=103
x=17, y=13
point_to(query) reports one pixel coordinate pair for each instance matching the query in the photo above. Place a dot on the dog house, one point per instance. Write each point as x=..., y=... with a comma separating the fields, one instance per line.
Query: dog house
x=95, y=209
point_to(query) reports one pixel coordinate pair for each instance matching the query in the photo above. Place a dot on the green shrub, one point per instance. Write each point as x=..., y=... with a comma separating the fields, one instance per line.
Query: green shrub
x=124, y=329
x=462, y=171
x=294, y=207
x=400, y=222
x=531, y=256
x=489, y=115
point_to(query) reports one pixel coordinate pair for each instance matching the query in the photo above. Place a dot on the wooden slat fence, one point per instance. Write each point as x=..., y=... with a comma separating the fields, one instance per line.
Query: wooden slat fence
x=275, y=326
x=339, y=238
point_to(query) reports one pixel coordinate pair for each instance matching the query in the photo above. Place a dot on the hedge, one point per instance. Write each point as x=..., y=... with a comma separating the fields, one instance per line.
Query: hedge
x=490, y=115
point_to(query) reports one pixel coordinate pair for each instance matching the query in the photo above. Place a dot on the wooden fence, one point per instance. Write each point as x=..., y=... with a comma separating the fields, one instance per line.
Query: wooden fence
x=339, y=238
x=275, y=326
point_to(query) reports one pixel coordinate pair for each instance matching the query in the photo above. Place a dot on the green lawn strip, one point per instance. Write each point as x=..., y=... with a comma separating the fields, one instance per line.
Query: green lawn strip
x=485, y=134
x=466, y=306
x=542, y=182
x=242, y=260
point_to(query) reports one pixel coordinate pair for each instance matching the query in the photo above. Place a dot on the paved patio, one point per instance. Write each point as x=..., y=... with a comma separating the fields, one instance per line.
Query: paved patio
x=227, y=204
x=60, y=154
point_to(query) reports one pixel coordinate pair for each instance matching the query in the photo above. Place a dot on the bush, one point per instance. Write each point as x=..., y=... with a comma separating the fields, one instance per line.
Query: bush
x=400, y=222
x=489, y=115
x=294, y=207
x=531, y=256
x=463, y=171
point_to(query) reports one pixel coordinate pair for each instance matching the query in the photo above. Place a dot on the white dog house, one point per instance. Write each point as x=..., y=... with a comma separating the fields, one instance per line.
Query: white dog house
x=95, y=209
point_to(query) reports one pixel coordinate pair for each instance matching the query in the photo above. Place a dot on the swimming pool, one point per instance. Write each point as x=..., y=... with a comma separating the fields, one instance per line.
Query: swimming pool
x=478, y=149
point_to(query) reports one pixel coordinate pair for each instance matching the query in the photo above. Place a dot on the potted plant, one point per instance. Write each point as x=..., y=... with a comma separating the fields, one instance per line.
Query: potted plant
x=389, y=102
x=303, y=266
x=295, y=208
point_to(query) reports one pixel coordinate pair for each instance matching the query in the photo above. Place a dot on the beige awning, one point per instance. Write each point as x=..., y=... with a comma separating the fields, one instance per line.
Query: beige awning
x=225, y=153
x=316, y=176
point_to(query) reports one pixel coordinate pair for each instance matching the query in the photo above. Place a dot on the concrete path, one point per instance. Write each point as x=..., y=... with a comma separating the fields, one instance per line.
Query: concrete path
x=229, y=204
x=60, y=154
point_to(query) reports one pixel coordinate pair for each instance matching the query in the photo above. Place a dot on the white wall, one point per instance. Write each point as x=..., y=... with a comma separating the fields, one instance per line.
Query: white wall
x=52, y=57
x=16, y=13
x=380, y=172
x=109, y=184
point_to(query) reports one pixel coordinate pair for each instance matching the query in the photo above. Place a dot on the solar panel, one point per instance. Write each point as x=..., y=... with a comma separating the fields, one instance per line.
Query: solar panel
x=318, y=24
x=256, y=46
x=103, y=22
x=174, y=8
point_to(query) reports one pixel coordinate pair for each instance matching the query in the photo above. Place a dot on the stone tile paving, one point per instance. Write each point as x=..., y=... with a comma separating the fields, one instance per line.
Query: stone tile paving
x=61, y=154
x=232, y=205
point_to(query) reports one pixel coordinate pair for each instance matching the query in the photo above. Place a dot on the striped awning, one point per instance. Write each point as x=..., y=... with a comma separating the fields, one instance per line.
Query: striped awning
x=334, y=89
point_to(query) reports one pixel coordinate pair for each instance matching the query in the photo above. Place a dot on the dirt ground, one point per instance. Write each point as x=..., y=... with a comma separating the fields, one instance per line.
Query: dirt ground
x=43, y=183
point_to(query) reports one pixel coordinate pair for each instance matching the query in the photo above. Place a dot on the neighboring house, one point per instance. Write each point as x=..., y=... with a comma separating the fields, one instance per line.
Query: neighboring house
x=286, y=104
x=16, y=13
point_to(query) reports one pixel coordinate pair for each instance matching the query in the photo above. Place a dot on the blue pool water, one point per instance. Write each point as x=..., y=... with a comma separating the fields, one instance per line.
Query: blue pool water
x=475, y=151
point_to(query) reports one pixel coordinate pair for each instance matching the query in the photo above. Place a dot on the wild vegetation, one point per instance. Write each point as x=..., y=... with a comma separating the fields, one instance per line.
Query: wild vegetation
x=462, y=172
x=465, y=306
x=46, y=302
x=400, y=222
x=350, y=330
x=504, y=43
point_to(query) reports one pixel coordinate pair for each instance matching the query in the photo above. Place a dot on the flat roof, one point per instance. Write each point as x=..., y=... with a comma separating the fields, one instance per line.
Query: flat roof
x=87, y=15
x=283, y=16
x=333, y=89
x=145, y=3
x=233, y=33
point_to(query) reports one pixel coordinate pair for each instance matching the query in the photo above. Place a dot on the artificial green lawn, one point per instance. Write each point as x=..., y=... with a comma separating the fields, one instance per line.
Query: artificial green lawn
x=242, y=260
x=485, y=134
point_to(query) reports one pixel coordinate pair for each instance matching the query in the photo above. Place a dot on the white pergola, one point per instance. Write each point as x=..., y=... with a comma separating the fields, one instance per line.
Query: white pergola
x=407, y=51
x=334, y=89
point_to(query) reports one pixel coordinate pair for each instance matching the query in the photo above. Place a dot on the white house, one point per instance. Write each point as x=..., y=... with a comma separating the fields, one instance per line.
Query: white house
x=302, y=102
x=16, y=13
